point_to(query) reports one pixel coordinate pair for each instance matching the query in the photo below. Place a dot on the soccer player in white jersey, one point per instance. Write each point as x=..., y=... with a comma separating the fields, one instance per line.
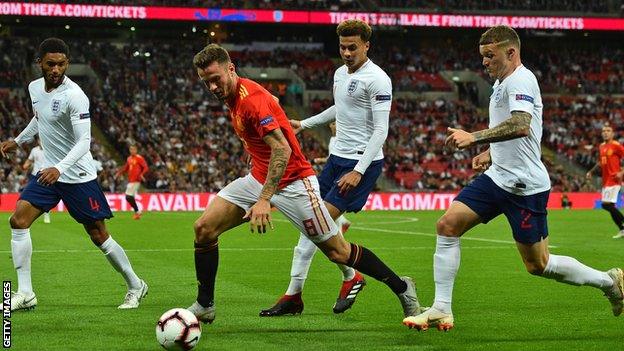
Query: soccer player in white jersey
x=515, y=183
x=62, y=121
x=362, y=101
x=36, y=161
x=342, y=221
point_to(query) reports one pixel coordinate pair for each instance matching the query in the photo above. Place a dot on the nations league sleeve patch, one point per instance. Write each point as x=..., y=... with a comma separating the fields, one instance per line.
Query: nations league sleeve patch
x=85, y=115
x=524, y=97
x=266, y=120
x=383, y=97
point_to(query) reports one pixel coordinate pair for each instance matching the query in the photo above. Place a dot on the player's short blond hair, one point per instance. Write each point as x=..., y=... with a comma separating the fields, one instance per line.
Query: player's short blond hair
x=503, y=35
x=350, y=28
x=211, y=53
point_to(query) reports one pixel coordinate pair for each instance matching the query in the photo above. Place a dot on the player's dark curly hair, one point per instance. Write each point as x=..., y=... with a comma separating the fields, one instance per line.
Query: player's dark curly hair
x=53, y=45
x=210, y=54
x=500, y=34
x=354, y=27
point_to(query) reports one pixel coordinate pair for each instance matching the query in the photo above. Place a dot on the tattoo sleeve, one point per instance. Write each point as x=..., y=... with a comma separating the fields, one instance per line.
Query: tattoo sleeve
x=517, y=126
x=280, y=154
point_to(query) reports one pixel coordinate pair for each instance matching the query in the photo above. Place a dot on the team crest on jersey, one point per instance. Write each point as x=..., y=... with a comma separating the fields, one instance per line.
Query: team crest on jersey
x=353, y=84
x=498, y=93
x=56, y=106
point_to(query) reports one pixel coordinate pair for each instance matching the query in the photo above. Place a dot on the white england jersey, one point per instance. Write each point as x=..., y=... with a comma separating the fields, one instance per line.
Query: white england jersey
x=56, y=113
x=516, y=164
x=332, y=145
x=356, y=96
x=37, y=158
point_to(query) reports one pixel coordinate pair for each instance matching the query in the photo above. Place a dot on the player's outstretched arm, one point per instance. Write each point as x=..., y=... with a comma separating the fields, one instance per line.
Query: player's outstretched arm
x=7, y=147
x=589, y=173
x=27, y=135
x=516, y=126
x=260, y=213
x=327, y=116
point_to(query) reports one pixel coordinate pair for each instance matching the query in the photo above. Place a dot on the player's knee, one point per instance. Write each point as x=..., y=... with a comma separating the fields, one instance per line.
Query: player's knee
x=338, y=256
x=448, y=225
x=19, y=222
x=205, y=231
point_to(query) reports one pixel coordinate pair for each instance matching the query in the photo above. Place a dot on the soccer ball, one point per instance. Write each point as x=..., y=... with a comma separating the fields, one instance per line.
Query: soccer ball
x=178, y=329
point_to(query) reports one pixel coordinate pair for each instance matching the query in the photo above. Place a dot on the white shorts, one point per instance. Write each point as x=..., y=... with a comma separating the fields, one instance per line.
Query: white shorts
x=132, y=188
x=300, y=201
x=610, y=193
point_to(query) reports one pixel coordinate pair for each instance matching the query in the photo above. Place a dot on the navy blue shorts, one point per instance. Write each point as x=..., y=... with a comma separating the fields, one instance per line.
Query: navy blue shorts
x=525, y=214
x=354, y=199
x=85, y=201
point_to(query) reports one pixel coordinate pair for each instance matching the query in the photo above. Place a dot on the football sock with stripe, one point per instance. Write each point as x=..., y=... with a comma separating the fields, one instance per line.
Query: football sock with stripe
x=368, y=263
x=206, y=264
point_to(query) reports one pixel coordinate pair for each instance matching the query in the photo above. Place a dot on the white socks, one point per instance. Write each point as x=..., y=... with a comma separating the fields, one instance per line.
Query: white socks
x=21, y=250
x=116, y=255
x=570, y=271
x=445, y=265
x=302, y=259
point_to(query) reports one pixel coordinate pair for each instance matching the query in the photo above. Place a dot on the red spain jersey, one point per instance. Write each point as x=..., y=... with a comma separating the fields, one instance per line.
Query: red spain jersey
x=254, y=113
x=136, y=167
x=611, y=154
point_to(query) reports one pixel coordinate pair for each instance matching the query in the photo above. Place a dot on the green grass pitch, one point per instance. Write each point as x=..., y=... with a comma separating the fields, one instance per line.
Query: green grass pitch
x=497, y=305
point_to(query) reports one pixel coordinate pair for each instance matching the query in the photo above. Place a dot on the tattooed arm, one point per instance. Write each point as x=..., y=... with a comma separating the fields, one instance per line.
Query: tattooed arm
x=517, y=126
x=259, y=214
x=280, y=154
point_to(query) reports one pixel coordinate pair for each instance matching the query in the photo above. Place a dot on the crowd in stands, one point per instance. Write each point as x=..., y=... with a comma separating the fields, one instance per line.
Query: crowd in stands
x=184, y=133
x=597, y=6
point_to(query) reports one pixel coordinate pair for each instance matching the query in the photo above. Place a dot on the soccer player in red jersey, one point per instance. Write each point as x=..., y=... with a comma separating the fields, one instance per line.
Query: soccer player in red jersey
x=136, y=167
x=611, y=154
x=280, y=176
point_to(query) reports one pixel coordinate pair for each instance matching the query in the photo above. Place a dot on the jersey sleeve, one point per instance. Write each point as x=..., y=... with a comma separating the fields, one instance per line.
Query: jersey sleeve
x=521, y=95
x=78, y=107
x=31, y=156
x=260, y=114
x=144, y=167
x=380, y=93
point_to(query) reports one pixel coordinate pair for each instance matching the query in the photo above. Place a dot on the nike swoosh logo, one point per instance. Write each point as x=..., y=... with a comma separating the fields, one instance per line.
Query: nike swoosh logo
x=34, y=102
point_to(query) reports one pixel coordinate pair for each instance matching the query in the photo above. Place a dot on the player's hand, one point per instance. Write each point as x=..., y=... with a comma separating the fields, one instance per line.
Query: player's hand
x=482, y=161
x=296, y=125
x=349, y=181
x=142, y=178
x=7, y=147
x=48, y=176
x=619, y=176
x=459, y=139
x=259, y=216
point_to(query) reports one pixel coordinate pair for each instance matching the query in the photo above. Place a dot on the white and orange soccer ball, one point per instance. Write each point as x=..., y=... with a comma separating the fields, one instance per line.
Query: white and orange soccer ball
x=178, y=329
